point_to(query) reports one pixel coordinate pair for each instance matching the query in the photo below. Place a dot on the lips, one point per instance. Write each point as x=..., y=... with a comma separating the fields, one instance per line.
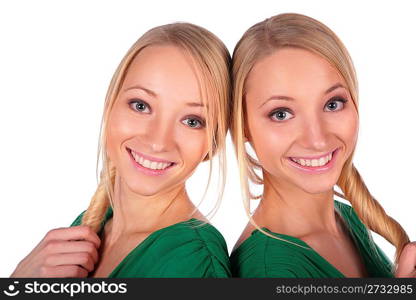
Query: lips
x=151, y=165
x=315, y=164
x=316, y=161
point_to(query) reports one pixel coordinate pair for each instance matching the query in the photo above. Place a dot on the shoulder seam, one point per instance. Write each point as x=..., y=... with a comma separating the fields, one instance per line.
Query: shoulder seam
x=267, y=245
x=212, y=265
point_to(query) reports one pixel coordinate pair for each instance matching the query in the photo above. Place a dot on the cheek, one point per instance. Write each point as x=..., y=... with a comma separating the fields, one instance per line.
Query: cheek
x=121, y=127
x=269, y=142
x=348, y=129
x=193, y=145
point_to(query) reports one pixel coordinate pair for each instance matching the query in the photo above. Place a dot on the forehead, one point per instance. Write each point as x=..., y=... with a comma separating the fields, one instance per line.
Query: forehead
x=292, y=71
x=166, y=70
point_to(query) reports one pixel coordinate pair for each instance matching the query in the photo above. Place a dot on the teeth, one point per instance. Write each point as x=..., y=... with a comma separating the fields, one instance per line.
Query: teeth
x=314, y=162
x=146, y=164
x=154, y=165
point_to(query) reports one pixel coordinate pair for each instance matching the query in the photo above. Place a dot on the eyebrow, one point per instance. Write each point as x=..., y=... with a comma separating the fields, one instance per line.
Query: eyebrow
x=334, y=87
x=139, y=87
x=286, y=98
x=153, y=94
x=195, y=104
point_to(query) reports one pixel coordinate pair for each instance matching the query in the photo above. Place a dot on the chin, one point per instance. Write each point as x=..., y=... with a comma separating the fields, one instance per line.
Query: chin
x=317, y=190
x=144, y=190
x=317, y=187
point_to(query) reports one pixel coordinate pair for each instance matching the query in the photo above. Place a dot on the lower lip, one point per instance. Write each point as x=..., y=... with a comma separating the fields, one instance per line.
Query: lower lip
x=316, y=170
x=148, y=171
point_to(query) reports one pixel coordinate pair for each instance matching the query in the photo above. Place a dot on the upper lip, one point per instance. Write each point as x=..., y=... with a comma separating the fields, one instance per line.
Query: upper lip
x=313, y=157
x=151, y=158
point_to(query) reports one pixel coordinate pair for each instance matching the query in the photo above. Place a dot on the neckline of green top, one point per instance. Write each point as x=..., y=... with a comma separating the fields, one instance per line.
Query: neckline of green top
x=305, y=246
x=109, y=214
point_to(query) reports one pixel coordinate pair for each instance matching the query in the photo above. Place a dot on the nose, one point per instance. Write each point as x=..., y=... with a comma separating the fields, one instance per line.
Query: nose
x=314, y=134
x=159, y=135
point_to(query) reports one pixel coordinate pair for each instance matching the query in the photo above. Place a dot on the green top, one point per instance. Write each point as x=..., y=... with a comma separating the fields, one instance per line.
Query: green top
x=262, y=256
x=181, y=250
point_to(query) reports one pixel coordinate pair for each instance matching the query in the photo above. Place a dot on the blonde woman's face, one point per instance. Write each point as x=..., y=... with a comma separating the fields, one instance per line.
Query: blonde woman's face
x=156, y=129
x=301, y=119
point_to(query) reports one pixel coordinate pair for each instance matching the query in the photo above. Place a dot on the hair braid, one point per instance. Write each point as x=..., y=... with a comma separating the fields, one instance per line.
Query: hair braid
x=370, y=212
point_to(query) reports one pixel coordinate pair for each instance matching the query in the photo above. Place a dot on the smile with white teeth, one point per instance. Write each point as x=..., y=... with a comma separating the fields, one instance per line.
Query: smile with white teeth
x=313, y=162
x=153, y=165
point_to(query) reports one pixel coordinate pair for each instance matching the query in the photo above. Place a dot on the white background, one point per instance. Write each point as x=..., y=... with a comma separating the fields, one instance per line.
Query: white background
x=56, y=61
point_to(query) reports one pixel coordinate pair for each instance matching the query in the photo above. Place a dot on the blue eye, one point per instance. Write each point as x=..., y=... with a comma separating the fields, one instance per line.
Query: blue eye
x=281, y=114
x=140, y=106
x=335, y=104
x=193, y=122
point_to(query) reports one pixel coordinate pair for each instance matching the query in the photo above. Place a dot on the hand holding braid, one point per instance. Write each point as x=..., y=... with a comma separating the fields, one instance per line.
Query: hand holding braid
x=100, y=202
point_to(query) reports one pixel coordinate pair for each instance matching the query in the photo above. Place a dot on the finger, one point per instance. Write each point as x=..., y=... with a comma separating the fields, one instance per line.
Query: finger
x=70, y=271
x=57, y=246
x=82, y=259
x=74, y=233
x=407, y=261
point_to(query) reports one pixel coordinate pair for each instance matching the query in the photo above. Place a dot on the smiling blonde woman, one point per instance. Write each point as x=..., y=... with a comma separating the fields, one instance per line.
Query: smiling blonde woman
x=166, y=111
x=296, y=104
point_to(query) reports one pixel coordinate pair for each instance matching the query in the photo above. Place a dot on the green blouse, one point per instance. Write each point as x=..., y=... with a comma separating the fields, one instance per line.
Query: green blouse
x=182, y=250
x=262, y=256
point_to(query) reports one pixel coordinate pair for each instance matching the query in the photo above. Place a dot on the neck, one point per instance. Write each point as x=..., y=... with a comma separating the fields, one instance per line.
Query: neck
x=293, y=211
x=134, y=213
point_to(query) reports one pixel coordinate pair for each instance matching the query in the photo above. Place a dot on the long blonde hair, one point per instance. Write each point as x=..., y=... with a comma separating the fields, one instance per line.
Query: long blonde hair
x=212, y=59
x=299, y=31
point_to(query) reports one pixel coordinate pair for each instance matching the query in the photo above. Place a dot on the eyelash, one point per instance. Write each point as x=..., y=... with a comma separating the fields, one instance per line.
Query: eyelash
x=337, y=99
x=133, y=105
x=201, y=123
x=280, y=109
x=287, y=110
